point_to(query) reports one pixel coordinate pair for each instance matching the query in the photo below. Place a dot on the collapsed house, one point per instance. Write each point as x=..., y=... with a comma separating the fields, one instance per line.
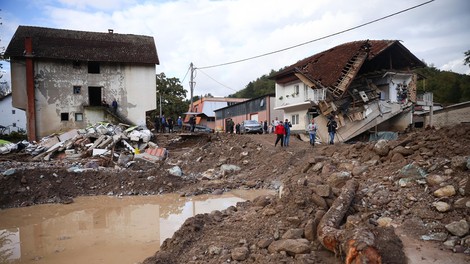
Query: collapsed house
x=67, y=79
x=363, y=84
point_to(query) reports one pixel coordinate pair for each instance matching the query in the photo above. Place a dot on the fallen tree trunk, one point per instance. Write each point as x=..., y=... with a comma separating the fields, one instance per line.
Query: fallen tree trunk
x=358, y=244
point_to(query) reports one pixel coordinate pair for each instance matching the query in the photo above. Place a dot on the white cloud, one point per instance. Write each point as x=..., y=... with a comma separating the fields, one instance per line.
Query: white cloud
x=212, y=32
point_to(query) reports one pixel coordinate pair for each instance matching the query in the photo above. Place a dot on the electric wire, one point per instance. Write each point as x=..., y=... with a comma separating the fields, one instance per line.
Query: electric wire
x=317, y=39
x=189, y=68
x=216, y=80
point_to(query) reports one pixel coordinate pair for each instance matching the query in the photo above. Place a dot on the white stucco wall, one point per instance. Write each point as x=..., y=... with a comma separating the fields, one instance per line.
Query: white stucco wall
x=133, y=86
x=12, y=118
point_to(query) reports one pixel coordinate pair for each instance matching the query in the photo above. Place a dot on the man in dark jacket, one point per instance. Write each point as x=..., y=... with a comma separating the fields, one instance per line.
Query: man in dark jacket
x=332, y=125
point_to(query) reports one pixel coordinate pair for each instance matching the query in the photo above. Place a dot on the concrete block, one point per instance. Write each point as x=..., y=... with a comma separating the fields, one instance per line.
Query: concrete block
x=49, y=142
x=97, y=152
x=68, y=135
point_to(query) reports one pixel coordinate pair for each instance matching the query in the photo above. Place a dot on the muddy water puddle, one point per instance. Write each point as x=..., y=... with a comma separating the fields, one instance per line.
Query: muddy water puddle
x=102, y=229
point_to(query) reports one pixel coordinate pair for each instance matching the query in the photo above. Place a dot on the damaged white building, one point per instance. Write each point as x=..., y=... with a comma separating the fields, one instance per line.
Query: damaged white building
x=66, y=79
x=364, y=84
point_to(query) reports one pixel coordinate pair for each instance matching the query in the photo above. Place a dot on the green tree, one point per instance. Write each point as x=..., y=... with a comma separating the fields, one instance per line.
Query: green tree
x=447, y=87
x=467, y=58
x=261, y=86
x=172, y=95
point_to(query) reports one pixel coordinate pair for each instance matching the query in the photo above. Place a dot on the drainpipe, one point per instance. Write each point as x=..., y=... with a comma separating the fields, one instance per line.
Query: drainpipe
x=31, y=108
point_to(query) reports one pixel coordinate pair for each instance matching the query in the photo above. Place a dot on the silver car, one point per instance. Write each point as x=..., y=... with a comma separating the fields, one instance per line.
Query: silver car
x=251, y=126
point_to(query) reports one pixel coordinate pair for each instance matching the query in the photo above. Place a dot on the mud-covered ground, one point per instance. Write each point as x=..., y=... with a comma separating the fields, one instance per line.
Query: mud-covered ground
x=396, y=198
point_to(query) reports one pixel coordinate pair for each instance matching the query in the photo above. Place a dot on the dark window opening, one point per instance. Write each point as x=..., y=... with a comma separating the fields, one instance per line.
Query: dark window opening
x=76, y=64
x=210, y=119
x=93, y=67
x=13, y=111
x=94, y=95
x=77, y=89
x=64, y=116
x=14, y=124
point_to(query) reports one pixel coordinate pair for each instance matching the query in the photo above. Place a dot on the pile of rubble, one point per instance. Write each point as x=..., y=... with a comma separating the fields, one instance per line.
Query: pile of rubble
x=121, y=142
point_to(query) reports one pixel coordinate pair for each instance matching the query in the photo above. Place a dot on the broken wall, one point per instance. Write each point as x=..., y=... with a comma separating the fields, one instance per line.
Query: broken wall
x=133, y=86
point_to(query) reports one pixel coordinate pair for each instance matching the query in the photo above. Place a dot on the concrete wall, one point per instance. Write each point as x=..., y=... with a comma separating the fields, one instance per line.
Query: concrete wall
x=133, y=86
x=450, y=116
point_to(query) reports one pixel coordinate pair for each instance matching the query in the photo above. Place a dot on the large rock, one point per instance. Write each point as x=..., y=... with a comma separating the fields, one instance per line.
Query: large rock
x=381, y=147
x=459, y=163
x=458, y=228
x=240, y=253
x=446, y=191
x=295, y=233
x=291, y=246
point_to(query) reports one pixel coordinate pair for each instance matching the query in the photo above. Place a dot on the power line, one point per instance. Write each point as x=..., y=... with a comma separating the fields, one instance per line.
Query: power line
x=314, y=40
x=189, y=68
x=216, y=80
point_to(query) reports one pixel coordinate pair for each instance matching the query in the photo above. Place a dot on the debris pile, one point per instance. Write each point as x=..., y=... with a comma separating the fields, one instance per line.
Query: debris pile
x=118, y=142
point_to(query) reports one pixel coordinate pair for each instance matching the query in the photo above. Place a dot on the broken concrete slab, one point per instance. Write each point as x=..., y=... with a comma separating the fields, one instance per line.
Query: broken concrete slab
x=68, y=135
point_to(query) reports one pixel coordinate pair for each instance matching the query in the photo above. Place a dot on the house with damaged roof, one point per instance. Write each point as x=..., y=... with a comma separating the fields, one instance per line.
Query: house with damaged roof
x=67, y=79
x=366, y=85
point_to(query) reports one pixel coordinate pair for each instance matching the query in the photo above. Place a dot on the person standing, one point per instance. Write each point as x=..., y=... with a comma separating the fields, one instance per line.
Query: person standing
x=280, y=133
x=287, y=126
x=170, y=124
x=179, y=123
x=114, y=105
x=265, y=126
x=312, y=132
x=164, y=124
x=237, y=128
x=192, y=123
x=157, y=124
x=332, y=125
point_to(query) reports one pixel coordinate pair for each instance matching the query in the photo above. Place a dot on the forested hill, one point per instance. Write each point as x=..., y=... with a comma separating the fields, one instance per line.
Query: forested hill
x=447, y=87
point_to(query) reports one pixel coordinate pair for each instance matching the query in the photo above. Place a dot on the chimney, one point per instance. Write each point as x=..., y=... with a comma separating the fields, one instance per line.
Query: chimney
x=110, y=31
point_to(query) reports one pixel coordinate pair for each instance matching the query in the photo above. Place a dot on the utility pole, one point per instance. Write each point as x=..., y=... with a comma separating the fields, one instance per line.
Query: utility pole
x=191, y=85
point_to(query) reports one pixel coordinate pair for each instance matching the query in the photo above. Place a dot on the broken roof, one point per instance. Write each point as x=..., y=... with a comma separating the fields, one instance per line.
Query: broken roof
x=49, y=43
x=326, y=67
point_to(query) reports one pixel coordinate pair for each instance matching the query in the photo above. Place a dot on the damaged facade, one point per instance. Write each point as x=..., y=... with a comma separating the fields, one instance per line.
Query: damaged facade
x=362, y=83
x=67, y=79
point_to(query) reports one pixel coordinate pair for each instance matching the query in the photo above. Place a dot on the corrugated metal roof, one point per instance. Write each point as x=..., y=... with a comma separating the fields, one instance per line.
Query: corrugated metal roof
x=63, y=44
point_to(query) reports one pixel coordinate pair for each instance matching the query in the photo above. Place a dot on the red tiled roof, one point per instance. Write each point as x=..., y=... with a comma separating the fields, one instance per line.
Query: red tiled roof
x=65, y=44
x=325, y=67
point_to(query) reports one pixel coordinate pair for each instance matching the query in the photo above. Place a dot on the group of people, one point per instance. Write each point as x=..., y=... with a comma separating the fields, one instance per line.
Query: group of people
x=282, y=131
x=163, y=123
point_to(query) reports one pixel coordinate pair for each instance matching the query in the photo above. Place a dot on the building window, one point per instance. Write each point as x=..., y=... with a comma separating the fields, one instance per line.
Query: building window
x=77, y=89
x=64, y=116
x=93, y=67
x=14, y=124
x=76, y=64
x=295, y=119
x=13, y=111
x=296, y=89
x=78, y=117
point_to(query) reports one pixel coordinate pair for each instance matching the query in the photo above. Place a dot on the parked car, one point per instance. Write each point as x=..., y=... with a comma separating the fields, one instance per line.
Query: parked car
x=251, y=126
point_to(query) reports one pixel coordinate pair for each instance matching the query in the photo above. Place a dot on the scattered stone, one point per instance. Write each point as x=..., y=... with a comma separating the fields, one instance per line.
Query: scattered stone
x=240, y=253
x=9, y=172
x=293, y=233
x=322, y=190
x=176, y=171
x=291, y=246
x=441, y=206
x=434, y=180
x=446, y=191
x=384, y=221
x=458, y=228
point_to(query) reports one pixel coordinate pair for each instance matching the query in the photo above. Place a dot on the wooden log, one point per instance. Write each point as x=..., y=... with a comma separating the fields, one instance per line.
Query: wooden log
x=358, y=244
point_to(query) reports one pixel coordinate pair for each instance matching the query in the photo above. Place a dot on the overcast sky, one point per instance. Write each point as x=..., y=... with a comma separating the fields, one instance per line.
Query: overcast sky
x=215, y=32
